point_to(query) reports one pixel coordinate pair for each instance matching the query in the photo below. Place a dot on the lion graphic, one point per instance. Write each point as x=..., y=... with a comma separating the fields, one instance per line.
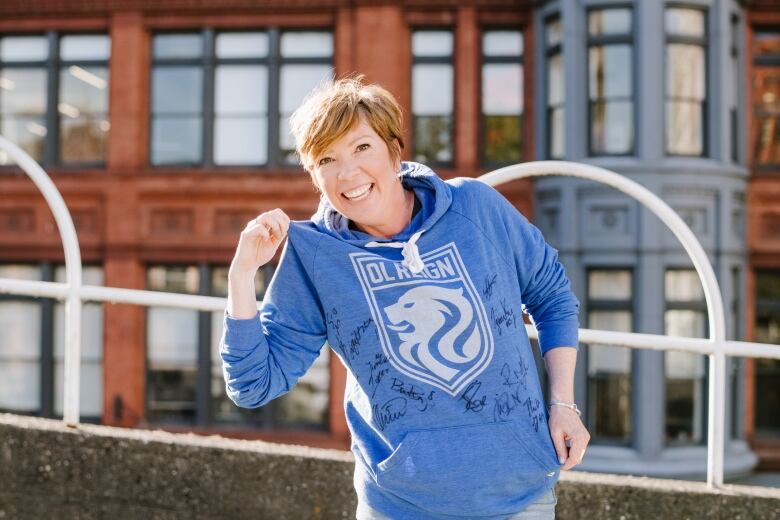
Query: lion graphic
x=420, y=314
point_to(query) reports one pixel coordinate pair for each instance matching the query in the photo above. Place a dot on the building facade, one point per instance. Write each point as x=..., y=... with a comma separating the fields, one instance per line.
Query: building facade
x=163, y=124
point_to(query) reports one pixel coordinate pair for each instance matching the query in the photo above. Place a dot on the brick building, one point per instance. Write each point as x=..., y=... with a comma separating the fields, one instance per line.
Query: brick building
x=164, y=126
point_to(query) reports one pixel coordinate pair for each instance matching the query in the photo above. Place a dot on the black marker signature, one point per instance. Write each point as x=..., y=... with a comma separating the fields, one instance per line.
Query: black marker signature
x=473, y=403
x=504, y=317
x=356, y=336
x=378, y=368
x=389, y=412
x=423, y=401
x=490, y=282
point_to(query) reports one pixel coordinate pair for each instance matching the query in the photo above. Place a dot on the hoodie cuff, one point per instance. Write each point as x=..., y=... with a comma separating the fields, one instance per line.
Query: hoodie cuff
x=242, y=334
x=562, y=333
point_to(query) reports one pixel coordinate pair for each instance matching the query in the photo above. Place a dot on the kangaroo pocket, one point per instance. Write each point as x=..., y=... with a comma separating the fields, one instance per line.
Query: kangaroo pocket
x=484, y=469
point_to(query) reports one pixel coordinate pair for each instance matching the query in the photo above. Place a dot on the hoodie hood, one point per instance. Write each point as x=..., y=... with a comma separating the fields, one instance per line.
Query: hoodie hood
x=434, y=196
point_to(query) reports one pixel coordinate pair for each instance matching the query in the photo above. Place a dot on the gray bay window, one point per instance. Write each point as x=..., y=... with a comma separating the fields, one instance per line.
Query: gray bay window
x=686, y=81
x=610, y=81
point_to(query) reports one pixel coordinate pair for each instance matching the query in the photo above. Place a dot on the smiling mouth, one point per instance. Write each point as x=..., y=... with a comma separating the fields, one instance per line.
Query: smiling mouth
x=358, y=193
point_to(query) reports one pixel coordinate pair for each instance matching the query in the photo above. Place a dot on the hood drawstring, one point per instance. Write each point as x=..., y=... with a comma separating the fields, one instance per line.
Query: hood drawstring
x=409, y=250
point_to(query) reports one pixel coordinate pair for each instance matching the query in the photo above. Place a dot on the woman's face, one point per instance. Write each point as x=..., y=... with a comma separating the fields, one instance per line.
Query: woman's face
x=358, y=177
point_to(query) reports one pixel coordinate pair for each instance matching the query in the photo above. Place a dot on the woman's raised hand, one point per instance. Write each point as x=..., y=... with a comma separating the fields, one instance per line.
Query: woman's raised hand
x=259, y=241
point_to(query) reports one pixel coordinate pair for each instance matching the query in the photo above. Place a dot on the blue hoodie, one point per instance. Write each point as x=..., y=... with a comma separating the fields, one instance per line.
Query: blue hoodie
x=443, y=400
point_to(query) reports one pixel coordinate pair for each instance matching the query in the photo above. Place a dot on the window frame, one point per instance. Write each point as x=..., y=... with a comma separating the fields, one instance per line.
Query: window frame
x=687, y=305
x=52, y=65
x=47, y=361
x=549, y=52
x=208, y=62
x=603, y=41
x=702, y=42
x=592, y=304
x=434, y=60
x=510, y=60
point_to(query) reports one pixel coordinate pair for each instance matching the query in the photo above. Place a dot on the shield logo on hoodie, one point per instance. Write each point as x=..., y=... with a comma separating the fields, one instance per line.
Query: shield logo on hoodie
x=432, y=325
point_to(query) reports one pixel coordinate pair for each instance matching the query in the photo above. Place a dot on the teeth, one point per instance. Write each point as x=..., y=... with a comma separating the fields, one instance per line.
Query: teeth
x=357, y=192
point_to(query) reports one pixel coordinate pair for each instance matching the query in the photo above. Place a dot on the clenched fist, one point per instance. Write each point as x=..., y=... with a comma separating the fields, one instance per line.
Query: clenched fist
x=259, y=241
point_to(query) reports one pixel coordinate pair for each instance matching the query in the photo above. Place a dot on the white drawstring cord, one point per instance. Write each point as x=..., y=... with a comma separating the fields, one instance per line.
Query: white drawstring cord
x=409, y=251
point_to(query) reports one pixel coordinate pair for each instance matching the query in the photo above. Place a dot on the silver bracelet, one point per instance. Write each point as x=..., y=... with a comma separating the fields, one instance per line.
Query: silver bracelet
x=571, y=406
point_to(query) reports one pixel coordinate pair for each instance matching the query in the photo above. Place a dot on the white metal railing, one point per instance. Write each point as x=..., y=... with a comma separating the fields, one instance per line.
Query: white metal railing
x=74, y=293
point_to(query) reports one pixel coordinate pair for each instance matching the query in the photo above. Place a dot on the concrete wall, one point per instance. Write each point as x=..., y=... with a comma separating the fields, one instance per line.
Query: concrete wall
x=50, y=471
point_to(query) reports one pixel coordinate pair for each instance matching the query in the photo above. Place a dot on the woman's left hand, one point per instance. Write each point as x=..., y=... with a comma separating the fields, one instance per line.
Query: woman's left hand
x=565, y=425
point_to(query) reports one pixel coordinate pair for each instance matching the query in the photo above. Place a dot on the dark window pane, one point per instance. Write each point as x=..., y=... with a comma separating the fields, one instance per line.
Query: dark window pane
x=609, y=21
x=24, y=48
x=502, y=136
x=681, y=21
x=242, y=45
x=609, y=376
x=85, y=47
x=306, y=44
x=684, y=128
x=177, y=90
x=432, y=138
x=766, y=115
x=610, y=71
x=768, y=288
x=171, y=395
x=767, y=43
x=768, y=392
x=502, y=43
x=176, y=140
x=612, y=130
x=432, y=43
x=178, y=46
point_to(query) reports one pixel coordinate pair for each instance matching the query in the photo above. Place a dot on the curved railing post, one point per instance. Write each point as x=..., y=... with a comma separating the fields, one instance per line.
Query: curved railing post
x=70, y=244
x=716, y=441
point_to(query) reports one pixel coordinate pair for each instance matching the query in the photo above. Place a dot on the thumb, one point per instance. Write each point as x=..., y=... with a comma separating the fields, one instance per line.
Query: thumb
x=560, y=447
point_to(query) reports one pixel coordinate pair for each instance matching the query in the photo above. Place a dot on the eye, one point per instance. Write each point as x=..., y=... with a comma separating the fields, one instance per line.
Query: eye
x=364, y=146
x=324, y=161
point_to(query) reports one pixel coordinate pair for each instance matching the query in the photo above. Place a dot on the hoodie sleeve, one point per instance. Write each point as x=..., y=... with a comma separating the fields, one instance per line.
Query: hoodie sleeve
x=263, y=357
x=544, y=287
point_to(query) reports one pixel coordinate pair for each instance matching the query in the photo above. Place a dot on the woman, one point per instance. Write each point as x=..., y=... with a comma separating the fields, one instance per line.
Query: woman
x=417, y=286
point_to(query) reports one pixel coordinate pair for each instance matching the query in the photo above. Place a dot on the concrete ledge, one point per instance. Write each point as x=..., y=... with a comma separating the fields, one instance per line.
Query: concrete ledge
x=50, y=471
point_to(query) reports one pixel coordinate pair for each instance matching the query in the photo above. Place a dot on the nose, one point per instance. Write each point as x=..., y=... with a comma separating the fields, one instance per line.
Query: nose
x=349, y=167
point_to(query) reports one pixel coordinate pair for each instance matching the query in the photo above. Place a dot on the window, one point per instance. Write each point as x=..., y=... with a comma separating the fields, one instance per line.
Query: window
x=33, y=342
x=736, y=74
x=432, y=95
x=502, y=96
x=766, y=99
x=685, y=316
x=185, y=383
x=767, y=330
x=610, y=82
x=686, y=80
x=555, y=89
x=610, y=307
x=67, y=124
x=223, y=99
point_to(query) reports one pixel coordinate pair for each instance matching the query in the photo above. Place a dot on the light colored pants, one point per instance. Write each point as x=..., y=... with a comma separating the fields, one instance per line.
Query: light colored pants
x=542, y=509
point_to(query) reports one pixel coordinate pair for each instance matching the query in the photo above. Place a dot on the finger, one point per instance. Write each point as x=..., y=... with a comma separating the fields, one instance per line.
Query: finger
x=257, y=228
x=560, y=447
x=577, y=450
x=283, y=219
x=276, y=226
